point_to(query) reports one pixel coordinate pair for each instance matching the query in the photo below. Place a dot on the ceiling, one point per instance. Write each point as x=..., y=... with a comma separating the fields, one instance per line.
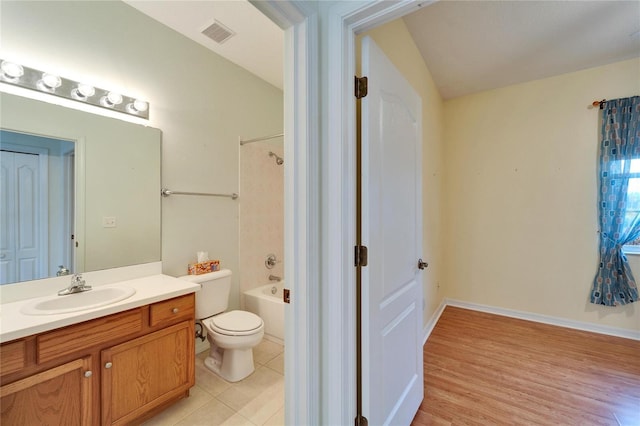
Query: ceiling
x=469, y=46
x=257, y=45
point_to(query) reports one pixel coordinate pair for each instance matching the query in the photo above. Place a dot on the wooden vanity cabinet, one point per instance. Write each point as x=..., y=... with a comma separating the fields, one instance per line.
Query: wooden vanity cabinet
x=58, y=396
x=146, y=372
x=118, y=369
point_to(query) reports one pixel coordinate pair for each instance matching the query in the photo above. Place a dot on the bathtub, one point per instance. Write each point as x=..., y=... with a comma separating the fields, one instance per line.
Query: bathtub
x=266, y=302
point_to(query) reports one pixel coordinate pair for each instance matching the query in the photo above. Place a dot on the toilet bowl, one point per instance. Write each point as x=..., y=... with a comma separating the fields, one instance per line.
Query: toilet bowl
x=232, y=335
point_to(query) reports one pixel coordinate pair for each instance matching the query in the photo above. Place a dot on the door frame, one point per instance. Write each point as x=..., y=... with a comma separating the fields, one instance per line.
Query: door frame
x=299, y=21
x=345, y=21
x=319, y=239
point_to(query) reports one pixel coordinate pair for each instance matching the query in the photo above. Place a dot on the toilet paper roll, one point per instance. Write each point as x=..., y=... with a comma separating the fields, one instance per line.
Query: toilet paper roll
x=203, y=256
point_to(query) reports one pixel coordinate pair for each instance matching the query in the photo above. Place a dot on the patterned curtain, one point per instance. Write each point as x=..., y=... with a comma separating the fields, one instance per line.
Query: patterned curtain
x=620, y=144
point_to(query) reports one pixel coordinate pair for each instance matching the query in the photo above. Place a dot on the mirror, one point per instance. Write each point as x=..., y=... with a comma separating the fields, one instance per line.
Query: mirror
x=110, y=172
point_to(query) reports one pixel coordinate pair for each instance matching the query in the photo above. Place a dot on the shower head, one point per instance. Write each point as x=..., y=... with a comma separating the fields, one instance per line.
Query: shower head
x=279, y=160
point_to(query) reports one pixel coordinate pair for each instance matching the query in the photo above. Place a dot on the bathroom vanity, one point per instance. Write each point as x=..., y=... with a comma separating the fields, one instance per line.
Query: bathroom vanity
x=116, y=364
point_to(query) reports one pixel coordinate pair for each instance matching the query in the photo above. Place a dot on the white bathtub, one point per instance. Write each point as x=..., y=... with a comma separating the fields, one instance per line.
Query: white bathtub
x=266, y=302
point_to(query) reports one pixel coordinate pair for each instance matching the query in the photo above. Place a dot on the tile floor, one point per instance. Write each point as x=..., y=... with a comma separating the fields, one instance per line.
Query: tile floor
x=255, y=401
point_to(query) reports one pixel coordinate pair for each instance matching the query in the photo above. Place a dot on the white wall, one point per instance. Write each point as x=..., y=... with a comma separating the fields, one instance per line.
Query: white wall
x=396, y=42
x=200, y=101
x=521, y=195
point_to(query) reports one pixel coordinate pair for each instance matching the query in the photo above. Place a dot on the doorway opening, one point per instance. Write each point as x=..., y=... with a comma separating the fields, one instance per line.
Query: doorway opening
x=38, y=176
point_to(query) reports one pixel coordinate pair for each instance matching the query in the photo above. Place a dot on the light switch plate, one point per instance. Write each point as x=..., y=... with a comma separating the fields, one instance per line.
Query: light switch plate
x=109, y=222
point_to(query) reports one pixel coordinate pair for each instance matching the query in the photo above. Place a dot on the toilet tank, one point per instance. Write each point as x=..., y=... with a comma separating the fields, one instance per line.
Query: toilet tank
x=213, y=297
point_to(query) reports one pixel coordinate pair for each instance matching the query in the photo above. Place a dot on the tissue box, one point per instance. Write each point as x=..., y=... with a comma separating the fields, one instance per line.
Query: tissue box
x=204, y=267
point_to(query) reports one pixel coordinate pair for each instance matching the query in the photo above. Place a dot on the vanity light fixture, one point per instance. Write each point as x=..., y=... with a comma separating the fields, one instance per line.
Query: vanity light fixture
x=44, y=82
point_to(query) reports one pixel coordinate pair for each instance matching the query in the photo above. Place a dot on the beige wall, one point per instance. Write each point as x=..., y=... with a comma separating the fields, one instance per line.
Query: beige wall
x=200, y=101
x=510, y=189
x=261, y=213
x=521, y=220
x=394, y=39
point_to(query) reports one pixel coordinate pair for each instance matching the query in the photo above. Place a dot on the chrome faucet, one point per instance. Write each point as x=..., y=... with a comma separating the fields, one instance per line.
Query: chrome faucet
x=274, y=278
x=78, y=285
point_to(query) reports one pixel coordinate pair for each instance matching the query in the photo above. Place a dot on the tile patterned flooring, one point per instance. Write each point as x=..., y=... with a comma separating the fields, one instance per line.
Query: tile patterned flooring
x=255, y=401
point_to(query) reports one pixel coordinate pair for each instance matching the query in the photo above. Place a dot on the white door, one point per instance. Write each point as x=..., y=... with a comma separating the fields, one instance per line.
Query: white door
x=392, y=378
x=21, y=248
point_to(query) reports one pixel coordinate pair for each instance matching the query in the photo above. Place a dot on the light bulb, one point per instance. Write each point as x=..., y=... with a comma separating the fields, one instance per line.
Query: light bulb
x=114, y=98
x=140, y=105
x=51, y=81
x=137, y=106
x=85, y=90
x=111, y=99
x=11, y=70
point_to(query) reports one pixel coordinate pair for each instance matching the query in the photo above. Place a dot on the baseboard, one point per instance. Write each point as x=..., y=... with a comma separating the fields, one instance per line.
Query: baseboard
x=545, y=319
x=428, y=328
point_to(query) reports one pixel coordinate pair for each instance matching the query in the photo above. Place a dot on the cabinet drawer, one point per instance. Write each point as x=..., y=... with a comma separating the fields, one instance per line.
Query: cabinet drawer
x=168, y=311
x=13, y=356
x=82, y=336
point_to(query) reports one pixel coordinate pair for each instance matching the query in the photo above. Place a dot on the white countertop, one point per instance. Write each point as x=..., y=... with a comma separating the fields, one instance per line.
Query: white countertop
x=14, y=324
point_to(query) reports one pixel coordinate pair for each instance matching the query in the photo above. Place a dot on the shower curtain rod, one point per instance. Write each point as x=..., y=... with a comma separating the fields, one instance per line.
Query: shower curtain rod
x=265, y=138
x=166, y=192
x=598, y=103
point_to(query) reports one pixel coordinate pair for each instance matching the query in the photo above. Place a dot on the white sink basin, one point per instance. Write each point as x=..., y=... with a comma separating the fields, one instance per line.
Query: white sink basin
x=95, y=298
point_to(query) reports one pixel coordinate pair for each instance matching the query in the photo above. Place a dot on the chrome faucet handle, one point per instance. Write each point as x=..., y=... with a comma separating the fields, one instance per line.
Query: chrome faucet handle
x=79, y=283
x=270, y=261
x=76, y=280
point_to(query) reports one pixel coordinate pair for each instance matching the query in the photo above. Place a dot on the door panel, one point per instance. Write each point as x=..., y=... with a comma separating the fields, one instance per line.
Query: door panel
x=7, y=218
x=23, y=244
x=392, y=229
x=27, y=192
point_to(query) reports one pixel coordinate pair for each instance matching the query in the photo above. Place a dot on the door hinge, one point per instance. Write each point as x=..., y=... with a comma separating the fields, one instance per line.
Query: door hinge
x=361, y=87
x=361, y=256
x=361, y=421
x=286, y=295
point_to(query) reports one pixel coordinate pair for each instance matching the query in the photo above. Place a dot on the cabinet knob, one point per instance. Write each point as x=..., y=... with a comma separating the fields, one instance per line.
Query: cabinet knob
x=108, y=365
x=88, y=373
x=175, y=310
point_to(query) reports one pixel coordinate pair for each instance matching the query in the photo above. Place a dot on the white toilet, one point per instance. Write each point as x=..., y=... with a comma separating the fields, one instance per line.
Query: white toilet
x=232, y=335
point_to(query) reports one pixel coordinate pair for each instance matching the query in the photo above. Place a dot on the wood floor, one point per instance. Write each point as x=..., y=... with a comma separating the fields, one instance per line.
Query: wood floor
x=483, y=369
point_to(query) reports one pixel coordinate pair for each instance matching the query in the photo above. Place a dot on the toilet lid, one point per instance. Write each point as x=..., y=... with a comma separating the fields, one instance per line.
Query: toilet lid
x=236, y=322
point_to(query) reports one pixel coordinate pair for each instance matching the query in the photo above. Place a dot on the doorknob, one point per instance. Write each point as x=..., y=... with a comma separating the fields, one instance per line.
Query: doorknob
x=422, y=264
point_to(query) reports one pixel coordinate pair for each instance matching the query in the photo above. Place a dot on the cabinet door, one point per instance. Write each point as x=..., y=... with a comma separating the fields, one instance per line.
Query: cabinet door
x=145, y=373
x=59, y=396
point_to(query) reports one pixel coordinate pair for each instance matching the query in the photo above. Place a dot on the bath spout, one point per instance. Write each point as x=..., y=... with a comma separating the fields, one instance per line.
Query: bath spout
x=274, y=278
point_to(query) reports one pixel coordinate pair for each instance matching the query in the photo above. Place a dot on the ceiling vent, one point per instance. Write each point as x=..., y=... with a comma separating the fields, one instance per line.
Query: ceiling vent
x=218, y=32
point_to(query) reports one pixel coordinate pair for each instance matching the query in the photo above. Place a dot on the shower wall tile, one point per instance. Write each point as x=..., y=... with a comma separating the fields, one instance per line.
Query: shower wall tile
x=261, y=213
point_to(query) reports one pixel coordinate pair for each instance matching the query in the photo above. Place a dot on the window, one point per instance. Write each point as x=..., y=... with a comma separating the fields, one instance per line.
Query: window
x=633, y=202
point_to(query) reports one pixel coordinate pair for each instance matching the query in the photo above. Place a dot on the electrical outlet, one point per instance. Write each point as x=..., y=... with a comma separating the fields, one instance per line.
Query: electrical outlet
x=109, y=222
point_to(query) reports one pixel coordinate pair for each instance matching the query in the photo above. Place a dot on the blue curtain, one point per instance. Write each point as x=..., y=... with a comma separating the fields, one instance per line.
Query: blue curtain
x=620, y=144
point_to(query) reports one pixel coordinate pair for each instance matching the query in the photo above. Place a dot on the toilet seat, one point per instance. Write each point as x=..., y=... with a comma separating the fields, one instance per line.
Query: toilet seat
x=235, y=323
